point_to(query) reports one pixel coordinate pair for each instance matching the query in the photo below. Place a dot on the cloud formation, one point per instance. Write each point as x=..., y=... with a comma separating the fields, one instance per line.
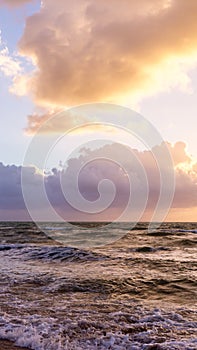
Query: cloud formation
x=94, y=172
x=89, y=51
x=10, y=65
x=53, y=121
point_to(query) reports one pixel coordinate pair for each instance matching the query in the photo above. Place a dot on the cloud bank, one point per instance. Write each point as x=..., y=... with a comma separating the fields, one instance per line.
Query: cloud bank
x=12, y=204
x=89, y=51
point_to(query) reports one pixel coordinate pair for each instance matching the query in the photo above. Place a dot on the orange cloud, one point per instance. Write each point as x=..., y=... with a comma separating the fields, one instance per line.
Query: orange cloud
x=88, y=51
x=53, y=121
x=35, y=121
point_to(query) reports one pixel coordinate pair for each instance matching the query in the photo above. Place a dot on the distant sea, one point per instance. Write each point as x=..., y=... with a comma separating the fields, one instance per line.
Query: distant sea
x=139, y=292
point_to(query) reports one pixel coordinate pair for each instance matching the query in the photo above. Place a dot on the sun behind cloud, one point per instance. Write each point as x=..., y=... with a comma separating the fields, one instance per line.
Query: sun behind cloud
x=107, y=51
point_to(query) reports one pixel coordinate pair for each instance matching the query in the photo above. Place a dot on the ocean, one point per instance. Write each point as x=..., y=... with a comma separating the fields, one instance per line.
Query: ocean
x=138, y=292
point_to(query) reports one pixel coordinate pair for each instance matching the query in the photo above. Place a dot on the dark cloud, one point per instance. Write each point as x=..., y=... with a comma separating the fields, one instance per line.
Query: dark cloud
x=10, y=188
x=94, y=168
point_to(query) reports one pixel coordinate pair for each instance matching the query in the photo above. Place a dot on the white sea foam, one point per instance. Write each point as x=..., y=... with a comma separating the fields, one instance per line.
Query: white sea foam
x=41, y=333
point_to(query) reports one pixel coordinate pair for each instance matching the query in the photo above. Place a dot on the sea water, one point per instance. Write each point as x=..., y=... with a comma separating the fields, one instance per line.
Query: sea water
x=138, y=292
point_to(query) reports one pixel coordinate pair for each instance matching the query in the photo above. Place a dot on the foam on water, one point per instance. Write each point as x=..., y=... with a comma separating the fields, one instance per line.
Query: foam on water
x=142, y=329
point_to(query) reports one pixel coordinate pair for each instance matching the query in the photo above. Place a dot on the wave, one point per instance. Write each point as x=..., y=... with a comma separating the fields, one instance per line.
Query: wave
x=55, y=228
x=5, y=247
x=170, y=232
x=191, y=231
x=148, y=249
x=52, y=253
x=138, y=329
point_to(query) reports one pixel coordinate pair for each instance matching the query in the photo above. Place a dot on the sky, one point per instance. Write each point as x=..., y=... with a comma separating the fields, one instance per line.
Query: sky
x=140, y=55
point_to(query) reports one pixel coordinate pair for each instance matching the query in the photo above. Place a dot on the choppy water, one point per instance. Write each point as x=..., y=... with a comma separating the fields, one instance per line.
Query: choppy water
x=137, y=293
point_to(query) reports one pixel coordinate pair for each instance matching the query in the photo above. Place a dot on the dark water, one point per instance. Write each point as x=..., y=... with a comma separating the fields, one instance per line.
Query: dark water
x=137, y=293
